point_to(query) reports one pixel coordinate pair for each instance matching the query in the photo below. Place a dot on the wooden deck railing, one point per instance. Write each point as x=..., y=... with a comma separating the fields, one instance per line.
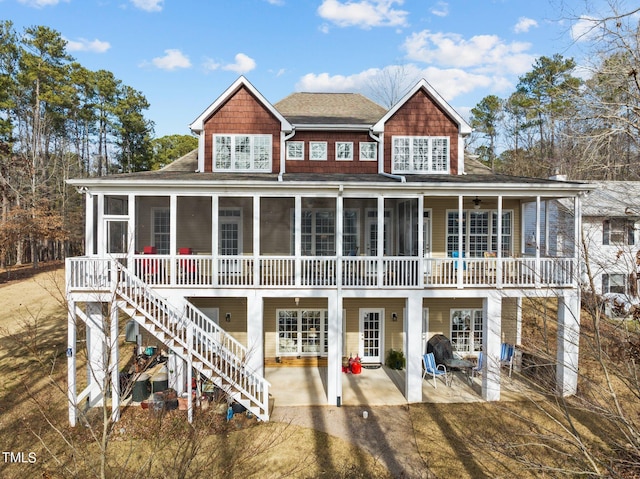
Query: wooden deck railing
x=326, y=271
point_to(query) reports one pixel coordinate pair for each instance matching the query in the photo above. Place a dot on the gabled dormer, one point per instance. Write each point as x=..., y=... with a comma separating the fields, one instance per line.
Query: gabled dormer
x=422, y=134
x=240, y=132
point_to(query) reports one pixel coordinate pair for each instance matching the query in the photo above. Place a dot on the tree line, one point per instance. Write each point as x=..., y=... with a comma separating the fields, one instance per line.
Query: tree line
x=580, y=122
x=60, y=120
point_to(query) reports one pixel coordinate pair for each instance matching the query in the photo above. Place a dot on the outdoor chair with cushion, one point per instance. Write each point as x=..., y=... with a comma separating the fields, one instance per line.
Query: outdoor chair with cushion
x=506, y=356
x=430, y=367
x=477, y=370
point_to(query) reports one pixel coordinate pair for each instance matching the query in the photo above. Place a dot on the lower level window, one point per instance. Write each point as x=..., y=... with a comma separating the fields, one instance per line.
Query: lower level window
x=614, y=283
x=466, y=330
x=302, y=332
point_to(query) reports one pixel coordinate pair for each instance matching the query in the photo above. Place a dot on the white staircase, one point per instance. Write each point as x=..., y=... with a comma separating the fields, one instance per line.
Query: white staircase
x=193, y=336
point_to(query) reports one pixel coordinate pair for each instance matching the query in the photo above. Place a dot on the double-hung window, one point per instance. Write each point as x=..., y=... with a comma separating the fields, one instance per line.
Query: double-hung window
x=318, y=150
x=242, y=152
x=618, y=231
x=295, y=150
x=614, y=283
x=368, y=151
x=344, y=151
x=420, y=154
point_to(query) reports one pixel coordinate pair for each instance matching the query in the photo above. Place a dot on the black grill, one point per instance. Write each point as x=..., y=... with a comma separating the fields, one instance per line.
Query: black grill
x=441, y=348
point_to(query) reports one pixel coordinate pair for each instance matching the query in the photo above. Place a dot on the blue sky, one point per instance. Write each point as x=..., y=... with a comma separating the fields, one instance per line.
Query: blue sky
x=182, y=54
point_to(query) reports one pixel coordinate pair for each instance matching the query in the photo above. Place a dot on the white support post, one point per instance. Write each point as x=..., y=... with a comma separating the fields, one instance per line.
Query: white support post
x=498, y=265
x=255, y=338
x=334, y=353
x=215, y=228
x=413, y=347
x=568, y=344
x=256, y=240
x=190, y=404
x=71, y=363
x=460, y=263
x=421, y=240
x=297, y=238
x=89, y=226
x=339, y=233
x=131, y=234
x=380, y=241
x=173, y=238
x=96, y=352
x=115, y=359
x=492, y=332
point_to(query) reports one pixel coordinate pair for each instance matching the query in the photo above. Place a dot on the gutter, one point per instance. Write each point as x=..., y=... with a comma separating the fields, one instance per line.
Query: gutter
x=283, y=153
x=381, y=171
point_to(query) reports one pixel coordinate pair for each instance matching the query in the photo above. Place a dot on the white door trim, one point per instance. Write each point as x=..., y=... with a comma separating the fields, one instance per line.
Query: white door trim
x=379, y=358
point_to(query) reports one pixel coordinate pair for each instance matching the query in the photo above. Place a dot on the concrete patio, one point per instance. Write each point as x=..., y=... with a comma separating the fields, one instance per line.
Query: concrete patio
x=306, y=386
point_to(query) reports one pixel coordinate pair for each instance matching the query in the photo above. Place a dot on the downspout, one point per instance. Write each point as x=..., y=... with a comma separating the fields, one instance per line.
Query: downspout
x=381, y=171
x=283, y=152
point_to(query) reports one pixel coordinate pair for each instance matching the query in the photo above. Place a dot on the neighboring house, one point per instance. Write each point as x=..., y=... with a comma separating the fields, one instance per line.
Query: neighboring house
x=320, y=226
x=610, y=219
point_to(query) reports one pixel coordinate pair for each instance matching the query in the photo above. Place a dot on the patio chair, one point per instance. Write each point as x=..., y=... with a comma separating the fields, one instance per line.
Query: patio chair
x=430, y=367
x=506, y=356
x=477, y=370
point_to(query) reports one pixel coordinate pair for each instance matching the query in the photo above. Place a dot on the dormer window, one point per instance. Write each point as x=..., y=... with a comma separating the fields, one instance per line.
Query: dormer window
x=242, y=153
x=420, y=154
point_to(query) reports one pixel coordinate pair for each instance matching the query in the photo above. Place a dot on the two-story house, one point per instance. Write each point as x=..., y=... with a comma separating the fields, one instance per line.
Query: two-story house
x=610, y=219
x=313, y=228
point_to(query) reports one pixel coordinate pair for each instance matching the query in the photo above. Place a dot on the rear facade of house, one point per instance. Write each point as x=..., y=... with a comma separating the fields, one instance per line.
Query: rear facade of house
x=315, y=228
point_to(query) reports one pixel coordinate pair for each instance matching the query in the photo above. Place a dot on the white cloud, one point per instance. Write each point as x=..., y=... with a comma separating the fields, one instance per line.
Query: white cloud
x=524, y=25
x=585, y=29
x=173, y=59
x=364, y=14
x=242, y=65
x=148, y=5
x=41, y=3
x=84, y=45
x=276, y=2
x=485, y=54
x=449, y=83
x=441, y=9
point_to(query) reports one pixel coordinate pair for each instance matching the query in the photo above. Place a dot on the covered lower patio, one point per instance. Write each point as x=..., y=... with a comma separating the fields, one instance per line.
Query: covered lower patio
x=305, y=386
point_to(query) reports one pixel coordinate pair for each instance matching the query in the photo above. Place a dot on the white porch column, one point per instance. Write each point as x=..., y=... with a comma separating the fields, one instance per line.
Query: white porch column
x=380, y=241
x=98, y=220
x=297, y=238
x=568, y=344
x=334, y=352
x=71, y=362
x=114, y=370
x=498, y=265
x=492, y=333
x=132, y=233
x=461, y=239
x=96, y=353
x=256, y=240
x=255, y=336
x=173, y=237
x=421, y=240
x=215, y=235
x=89, y=225
x=519, y=320
x=413, y=347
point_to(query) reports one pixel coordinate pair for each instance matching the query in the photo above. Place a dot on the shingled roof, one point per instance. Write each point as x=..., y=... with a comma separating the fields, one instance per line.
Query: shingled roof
x=329, y=109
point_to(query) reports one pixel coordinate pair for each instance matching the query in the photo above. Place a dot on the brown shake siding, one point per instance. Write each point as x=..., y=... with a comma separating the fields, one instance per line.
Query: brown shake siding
x=330, y=165
x=242, y=113
x=420, y=116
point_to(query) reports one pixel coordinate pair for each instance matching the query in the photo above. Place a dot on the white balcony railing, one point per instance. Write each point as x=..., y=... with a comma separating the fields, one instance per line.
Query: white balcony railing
x=326, y=271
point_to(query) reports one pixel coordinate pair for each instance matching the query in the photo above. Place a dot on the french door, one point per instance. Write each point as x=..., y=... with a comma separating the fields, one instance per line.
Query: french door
x=371, y=347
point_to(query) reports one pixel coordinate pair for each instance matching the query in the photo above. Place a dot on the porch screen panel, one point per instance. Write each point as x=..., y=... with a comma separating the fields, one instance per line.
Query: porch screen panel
x=161, y=233
x=478, y=234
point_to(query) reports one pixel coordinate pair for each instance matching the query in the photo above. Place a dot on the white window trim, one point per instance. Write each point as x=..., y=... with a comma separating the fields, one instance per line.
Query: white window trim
x=375, y=152
x=465, y=232
x=295, y=158
x=321, y=334
x=153, y=226
x=350, y=146
x=311, y=145
x=472, y=347
x=429, y=161
x=252, y=138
